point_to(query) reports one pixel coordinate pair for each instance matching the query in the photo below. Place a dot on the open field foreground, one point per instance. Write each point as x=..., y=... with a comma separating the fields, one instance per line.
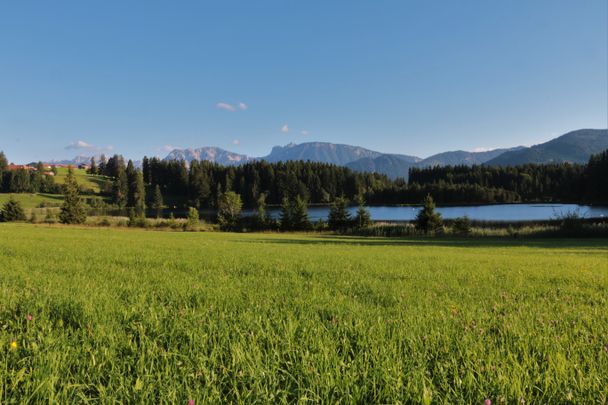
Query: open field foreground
x=139, y=316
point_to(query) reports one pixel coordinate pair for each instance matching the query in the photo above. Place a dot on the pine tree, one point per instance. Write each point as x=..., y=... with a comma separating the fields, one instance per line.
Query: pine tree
x=93, y=168
x=132, y=183
x=3, y=162
x=103, y=162
x=12, y=211
x=285, y=216
x=299, y=215
x=139, y=194
x=428, y=220
x=3, y=167
x=120, y=188
x=72, y=210
x=362, y=219
x=157, y=202
x=199, y=184
x=339, y=218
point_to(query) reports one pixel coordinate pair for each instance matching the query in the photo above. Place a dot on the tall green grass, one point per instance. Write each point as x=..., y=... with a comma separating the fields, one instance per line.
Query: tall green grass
x=151, y=317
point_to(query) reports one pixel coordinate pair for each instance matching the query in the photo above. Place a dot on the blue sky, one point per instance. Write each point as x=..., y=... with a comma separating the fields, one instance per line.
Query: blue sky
x=414, y=77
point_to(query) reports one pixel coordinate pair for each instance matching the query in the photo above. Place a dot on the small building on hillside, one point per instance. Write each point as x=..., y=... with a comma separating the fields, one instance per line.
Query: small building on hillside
x=20, y=167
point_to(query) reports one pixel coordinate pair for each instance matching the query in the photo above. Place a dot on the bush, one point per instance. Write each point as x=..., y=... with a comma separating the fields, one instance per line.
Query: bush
x=512, y=232
x=193, y=217
x=571, y=222
x=51, y=217
x=462, y=226
x=12, y=211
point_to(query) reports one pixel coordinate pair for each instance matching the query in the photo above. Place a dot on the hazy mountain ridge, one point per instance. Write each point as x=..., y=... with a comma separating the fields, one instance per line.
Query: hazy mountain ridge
x=574, y=147
x=461, y=157
x=392, y=165
x=323, y=152
x=75, y=161
x=209, y=153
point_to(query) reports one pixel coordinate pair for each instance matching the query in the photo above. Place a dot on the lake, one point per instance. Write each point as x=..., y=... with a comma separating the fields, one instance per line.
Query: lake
x=496, y=212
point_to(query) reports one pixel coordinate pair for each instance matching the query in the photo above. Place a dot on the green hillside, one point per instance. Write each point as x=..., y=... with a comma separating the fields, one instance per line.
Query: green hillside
x=85, y=180
x=33, y=200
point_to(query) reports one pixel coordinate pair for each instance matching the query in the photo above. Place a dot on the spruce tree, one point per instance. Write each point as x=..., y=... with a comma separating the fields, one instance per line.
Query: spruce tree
x=428, y=220
x=3, y=162
x=139, y=194
x=93, y=168
x=299, y=215
x=362, y=219
x=285, y=216
x=132, y=183
x=199, y=184
x=72, y=210
x=339, y=218
x=157, y=202
x=12, y=211
x=120, y=188
x=103, y=162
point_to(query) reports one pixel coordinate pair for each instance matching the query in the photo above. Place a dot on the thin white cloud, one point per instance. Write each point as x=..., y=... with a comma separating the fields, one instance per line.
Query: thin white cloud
x=236, y=142
x=243, y=106
x=83, y=145
x=304, y=132
x=80, y=145
x=482, y=149
x=285, y=129
x=225, y=106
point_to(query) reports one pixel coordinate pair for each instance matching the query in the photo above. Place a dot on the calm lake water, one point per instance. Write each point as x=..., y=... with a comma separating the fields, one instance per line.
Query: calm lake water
x=498, y=212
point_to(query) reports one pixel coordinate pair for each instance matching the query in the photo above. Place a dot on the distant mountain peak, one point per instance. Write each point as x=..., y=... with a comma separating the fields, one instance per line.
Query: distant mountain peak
x=210, y=153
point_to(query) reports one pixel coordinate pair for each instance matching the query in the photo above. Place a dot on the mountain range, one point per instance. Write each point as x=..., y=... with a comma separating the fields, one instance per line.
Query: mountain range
x=575, y=147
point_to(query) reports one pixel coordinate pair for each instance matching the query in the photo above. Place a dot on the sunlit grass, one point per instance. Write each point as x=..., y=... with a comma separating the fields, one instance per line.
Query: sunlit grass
x=139, y=316
x=32, y=200
x=85, y=180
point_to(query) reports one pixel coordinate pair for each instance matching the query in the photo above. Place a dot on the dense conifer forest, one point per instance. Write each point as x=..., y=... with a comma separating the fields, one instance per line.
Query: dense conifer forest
x=201, y=183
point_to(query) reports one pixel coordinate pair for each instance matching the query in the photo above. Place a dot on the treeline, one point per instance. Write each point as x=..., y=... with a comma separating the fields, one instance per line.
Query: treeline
x=25, y=181
x=548, y=182
x=202, y=183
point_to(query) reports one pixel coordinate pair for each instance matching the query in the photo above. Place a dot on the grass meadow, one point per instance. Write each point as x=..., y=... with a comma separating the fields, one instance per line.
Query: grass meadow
x=85, y=180
x=32, y=200
x=123, y=315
